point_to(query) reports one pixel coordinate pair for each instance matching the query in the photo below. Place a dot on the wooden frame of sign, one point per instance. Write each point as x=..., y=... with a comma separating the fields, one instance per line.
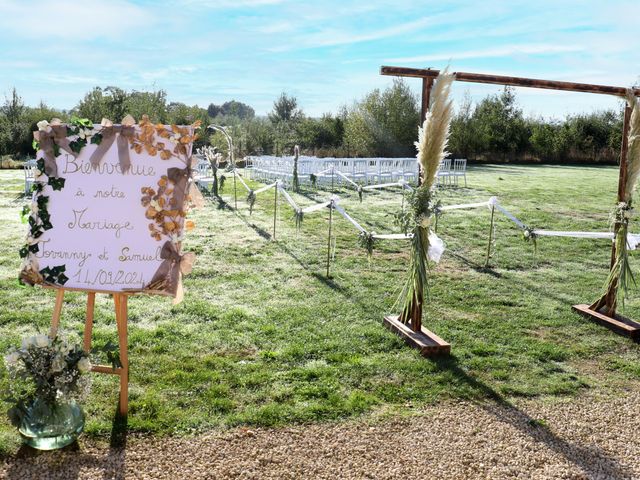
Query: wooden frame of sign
x=108, y=216
x=602, y=311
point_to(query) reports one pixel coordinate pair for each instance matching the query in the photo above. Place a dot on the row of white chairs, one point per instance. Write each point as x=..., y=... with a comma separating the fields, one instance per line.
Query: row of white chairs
x=365, y=171
x=450, y=171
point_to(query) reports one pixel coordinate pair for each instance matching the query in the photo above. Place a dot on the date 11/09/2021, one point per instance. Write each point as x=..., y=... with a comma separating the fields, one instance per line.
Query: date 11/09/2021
x=105, y=278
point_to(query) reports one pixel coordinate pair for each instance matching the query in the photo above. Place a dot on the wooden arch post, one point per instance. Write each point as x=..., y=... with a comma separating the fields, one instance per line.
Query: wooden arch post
x=603, y=310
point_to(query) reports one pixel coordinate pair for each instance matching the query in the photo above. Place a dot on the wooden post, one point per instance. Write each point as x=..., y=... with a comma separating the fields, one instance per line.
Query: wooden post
x=332, y=177
x=609, y=299
x=329, y=240
x=612, y=294
x=603, y=310
x=493, y=211
x=427, y=84
x=275, y=209
x=235, y=190
x=416, y=308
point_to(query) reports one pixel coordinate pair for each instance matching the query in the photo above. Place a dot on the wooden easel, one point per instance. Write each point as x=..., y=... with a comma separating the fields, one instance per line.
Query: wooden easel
x=120, y=300
x=603, y=310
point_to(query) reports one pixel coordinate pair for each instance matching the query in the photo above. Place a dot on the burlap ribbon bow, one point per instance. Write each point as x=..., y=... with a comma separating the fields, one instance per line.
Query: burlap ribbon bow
x=57, y=134
x=168, y=277
x=184, y=183
x=120, y=133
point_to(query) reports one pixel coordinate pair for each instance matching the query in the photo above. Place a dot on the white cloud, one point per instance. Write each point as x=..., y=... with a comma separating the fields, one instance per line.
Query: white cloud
x=510, y=51
x=226, y=4
x=71, y=79
x=47, y=21
x=334, y=37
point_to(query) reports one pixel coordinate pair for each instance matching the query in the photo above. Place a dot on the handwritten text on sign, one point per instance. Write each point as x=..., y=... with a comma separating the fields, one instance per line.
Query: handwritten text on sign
x=100, y=231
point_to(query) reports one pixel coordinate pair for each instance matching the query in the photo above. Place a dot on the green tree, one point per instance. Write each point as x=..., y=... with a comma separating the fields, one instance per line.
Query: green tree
x=285, y=116
x=499, y=124
x=15, y=136
x=384, y=123
x=285, y=109
x=463, y=140
x=153, y=104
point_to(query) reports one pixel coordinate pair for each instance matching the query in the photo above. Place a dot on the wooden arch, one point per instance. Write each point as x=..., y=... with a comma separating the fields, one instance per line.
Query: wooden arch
x=602, y=310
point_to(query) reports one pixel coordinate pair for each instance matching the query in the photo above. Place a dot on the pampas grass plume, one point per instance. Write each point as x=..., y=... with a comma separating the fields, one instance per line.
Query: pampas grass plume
x=433, y=135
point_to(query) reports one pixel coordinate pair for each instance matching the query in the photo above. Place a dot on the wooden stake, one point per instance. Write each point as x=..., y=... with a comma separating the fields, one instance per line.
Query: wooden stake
x=235, y=190
x=329, y=240
x=486, y=263
x=275, y=209
x=332, y=177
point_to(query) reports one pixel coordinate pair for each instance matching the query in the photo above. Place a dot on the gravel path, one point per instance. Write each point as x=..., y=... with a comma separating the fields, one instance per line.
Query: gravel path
x=587, y=437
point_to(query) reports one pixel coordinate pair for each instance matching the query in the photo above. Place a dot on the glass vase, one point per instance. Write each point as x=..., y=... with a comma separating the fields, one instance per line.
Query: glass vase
x=49, y=426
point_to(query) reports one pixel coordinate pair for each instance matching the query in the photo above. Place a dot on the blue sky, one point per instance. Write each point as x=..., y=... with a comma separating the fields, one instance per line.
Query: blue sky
x=326, y=53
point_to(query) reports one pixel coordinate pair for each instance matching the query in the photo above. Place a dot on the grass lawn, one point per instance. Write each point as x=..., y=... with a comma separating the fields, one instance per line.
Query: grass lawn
x=264, y=338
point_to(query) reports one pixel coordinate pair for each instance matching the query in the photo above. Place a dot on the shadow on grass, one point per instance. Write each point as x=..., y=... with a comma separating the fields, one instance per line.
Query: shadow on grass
x=474, y=265
x=328, y=282
x=591, y=459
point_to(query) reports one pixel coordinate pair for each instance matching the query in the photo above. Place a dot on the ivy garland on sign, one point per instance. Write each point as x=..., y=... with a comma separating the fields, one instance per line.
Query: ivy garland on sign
x=39, y=219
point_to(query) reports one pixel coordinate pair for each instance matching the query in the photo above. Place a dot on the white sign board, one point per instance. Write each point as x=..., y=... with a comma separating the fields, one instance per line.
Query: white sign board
x=109, y=214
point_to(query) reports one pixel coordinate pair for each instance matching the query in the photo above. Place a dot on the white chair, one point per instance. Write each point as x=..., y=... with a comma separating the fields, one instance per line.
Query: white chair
x=459, y=170
x=385, y=170
x=304, y=170
x=359, y=171
x=29, y=175
x=203, y=175
x=410, y=169
x=324, y=172
x=443, y=175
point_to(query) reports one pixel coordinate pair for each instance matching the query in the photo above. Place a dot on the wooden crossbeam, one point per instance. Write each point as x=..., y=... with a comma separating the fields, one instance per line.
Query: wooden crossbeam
x=511, y=81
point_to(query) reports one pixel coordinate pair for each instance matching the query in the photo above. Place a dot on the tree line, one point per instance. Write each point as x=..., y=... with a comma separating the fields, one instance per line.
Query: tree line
x=381, y=124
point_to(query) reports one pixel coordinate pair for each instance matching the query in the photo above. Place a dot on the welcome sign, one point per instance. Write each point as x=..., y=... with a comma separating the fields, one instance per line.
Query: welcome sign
x=109, y=208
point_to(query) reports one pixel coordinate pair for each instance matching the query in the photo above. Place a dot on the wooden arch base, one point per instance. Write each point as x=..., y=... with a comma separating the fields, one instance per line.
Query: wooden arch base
x=616, y=322
x=428, y=343
x=120, y=301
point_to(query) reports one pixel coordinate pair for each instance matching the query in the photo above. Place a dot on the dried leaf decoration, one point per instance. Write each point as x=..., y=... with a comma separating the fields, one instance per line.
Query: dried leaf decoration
x=160, y=206
x=179, y=139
